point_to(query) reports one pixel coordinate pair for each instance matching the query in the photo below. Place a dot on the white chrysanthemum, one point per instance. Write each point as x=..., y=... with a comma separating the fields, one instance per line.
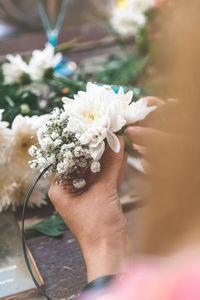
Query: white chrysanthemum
x=14, y=185
x=24, y=132
x=128, y=15
x=5, y=141
x=97, y=114
x=126, y=22
x=42, y=60
x=14, y=69
x=136, y=111
x=140, y=6
x=15, y=175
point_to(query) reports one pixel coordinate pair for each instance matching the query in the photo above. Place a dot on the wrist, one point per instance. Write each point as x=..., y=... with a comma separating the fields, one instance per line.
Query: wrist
x=108, y=255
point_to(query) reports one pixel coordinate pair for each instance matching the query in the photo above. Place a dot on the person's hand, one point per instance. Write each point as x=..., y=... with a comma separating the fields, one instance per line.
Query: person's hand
x=95, y=215
x=140, y=134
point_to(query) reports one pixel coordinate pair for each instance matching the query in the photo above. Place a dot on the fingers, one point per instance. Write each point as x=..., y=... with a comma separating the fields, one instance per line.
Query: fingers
x=145, y=165
x=154, y=101
x=141, y=149
x=111, y=163
x=143, y=135
x=151, y=101
x=113, y=167
x=59, y=186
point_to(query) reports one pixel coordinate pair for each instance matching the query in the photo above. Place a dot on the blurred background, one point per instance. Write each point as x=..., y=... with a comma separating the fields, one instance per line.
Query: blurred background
x=21, y=27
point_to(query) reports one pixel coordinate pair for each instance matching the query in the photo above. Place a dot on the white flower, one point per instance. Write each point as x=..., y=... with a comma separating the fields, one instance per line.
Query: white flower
x=97, y=114
x=93, y=118
x=62, y=168
x=5, y=141
x=33, y=151
x=141, y=6
x=24, y=131
x=14, y=185
x=51, y=159
x=14, y=69
x=57, y=142
x=128, y=15
x=33, y=164
x=46, y=143
x=95, y=167
x=54, y=135
x=78, y=151
x=136, y=111
x=42, y=60
x=15, y=175
x=25, y=108
x=127, y=22
x=79, y=183
x=68, y=158
x=42, y=161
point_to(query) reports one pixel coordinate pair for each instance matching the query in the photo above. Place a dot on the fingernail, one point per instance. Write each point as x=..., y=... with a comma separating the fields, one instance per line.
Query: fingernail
x=132, y=130
x=135, y=147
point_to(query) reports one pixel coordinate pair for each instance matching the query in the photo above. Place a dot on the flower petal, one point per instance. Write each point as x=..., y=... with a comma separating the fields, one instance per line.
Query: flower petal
x=138, y=111
x=97, y=152
x=113, y=142
x=67, y=100
x=117, y=122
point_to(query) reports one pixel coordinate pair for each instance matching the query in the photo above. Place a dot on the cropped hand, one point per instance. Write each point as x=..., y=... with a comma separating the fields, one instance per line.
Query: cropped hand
x=95, y=215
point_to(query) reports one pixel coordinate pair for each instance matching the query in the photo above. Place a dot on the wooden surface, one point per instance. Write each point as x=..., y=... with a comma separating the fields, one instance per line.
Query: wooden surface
x=61, y=265
x=59, y=259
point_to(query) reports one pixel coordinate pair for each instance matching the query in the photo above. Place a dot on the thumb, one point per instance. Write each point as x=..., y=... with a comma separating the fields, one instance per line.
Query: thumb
x=111, y=163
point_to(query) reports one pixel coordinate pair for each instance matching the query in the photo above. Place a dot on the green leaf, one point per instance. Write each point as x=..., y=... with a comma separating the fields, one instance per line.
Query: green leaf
x=51, y=226
x=142, y=41
x=1, y=75
x=121, y=70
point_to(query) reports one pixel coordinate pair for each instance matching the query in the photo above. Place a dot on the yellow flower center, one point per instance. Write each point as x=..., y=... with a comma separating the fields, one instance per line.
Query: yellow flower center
x=90, y=116
x=122, y=4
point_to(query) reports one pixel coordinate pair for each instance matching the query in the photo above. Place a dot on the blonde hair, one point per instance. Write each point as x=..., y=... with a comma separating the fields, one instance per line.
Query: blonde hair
x=171, y=220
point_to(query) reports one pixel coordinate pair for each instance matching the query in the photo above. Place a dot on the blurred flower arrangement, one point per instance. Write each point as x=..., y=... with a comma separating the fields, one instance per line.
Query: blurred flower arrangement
x=30, y=89
x=128, y=16
x=15, y=176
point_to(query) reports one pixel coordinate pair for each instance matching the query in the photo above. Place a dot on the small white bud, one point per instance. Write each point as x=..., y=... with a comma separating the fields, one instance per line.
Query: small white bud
x=95, y=167
x=79, y=183
x=54, y=135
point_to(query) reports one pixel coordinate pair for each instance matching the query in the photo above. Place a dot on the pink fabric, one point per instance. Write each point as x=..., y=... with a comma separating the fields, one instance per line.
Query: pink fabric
x=151, y=279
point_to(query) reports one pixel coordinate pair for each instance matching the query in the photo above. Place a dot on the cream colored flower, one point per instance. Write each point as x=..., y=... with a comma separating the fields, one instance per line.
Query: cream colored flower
x=14, y=68
x=15, y=174
x=128, y=15
x=126, y=22
x=14, y=186
x=141, y=6
x=5, y=141
x=42, y=60
x=24, y=131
